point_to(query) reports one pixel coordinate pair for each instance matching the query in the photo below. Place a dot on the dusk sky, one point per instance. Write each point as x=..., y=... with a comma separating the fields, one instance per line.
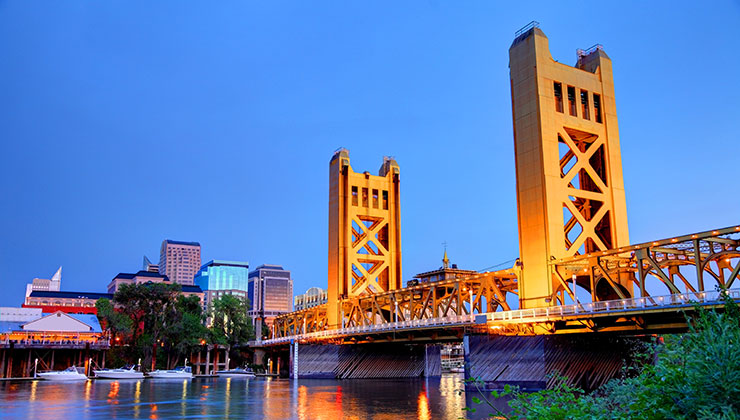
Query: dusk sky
x=126, y=123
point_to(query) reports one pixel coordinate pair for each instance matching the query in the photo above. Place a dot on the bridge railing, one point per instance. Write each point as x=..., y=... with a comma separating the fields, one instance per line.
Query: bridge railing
x=609, y=306
x=522, y=315
x=376, y=328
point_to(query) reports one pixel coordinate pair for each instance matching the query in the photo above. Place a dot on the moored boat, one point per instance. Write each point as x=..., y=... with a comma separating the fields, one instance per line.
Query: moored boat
x=126, y=372
x=235, y=373
x=181, y=372
x=72, y=373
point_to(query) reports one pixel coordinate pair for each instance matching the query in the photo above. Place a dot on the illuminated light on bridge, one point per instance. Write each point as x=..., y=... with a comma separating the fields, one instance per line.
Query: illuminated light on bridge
x=572, y=233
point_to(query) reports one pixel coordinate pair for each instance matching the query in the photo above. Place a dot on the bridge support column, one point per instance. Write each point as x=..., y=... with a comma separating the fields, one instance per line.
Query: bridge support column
x=387, y=360
x=586, y=361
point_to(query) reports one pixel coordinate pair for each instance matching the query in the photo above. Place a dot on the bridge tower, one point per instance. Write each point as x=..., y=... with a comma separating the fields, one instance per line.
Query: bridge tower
x=364, y=232
x=570, y=191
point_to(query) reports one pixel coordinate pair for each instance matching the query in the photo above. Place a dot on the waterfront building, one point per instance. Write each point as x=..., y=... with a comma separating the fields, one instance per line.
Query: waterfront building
x=147, y=265
x=58, y=338
x=53, y=284
x=149, y=277
x=314, y=296
x=218, y=278
x=446, y=272
x=270, y=291
x=179, y=261
x=67, y=302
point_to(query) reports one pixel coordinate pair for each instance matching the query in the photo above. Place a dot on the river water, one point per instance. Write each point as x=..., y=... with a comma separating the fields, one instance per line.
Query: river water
x=217, y=398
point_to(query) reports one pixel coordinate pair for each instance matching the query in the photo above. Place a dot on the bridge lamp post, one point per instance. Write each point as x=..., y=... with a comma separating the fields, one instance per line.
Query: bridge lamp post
x=575, y=297
x=396, y=312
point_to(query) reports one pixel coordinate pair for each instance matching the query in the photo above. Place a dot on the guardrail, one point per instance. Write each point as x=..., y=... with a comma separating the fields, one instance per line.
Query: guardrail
x=608, y=306
x=521, y=315
x=389, y=326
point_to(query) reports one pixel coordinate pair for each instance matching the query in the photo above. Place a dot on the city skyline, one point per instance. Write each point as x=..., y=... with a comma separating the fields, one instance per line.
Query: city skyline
x=263, y=144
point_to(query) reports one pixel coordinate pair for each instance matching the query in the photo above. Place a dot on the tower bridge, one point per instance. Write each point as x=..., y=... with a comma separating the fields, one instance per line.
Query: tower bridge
x=522, y=323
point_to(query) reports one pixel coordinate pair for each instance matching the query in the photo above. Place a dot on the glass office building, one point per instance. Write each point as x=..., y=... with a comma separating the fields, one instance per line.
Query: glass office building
x=270, y=293
x=223, y=275
x=218, y=278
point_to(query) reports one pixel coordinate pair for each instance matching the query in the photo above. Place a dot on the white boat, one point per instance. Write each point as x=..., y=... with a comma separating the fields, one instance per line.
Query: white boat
x=70, y=374
x=235, y=373
x=181, y=372
x=127, y=372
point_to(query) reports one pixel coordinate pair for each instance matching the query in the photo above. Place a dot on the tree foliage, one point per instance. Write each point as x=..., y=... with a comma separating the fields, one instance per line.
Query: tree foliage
x=694, y=376
x=113, y=321
x=231, y=326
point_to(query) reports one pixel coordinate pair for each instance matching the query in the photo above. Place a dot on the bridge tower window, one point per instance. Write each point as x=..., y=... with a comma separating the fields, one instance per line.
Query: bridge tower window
x=572, y=100
x=385, y=200
x=597, y=108
x=584, y=105
x=354, y=196
x=364, y=197
x=558, y=87
x=375, y=198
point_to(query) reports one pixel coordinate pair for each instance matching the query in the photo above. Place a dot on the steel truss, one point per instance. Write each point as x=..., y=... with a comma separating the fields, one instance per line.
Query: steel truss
x=482, y=293
x=690, y=263
x=685, y=264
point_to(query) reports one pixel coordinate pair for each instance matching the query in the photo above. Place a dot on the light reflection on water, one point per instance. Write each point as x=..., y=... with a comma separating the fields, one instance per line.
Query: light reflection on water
x=418, y=399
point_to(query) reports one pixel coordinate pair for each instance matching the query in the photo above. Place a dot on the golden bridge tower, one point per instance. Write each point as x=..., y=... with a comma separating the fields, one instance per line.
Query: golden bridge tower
x=364, y=232
x=570, y=191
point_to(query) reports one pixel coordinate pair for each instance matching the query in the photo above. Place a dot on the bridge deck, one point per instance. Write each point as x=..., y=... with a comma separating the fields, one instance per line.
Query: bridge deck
x=581, y=317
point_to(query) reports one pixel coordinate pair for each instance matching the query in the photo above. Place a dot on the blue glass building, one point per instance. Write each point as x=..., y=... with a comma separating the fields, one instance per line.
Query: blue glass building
x=218, y=278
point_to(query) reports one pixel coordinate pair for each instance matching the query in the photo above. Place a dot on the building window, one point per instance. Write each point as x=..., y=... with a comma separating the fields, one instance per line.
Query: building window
x=375, y=198
x=584, y=105
x=597, y=108
x=354, y=196
x=364, y=197
x=558, y=97
x=385, y=200
x=572, y=100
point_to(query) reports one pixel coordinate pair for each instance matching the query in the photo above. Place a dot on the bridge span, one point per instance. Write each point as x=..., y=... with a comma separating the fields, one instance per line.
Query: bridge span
x=579, y=294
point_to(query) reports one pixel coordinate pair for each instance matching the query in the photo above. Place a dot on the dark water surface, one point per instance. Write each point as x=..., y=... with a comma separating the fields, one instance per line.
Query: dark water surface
x=260, y=398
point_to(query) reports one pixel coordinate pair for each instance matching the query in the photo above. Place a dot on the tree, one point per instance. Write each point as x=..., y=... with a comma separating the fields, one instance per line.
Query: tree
x=231, y=326
x=186, y=331
x=114, y=322
x=152, y=308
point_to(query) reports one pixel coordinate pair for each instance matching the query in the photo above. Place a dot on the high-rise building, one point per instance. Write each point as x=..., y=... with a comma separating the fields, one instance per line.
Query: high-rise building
x=314, y=296
x=270, y=291
x=52, y=284
x=217, y=278
x=179, y=261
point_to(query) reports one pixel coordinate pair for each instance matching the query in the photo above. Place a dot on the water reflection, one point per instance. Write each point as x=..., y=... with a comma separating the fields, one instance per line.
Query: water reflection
x=259, y=398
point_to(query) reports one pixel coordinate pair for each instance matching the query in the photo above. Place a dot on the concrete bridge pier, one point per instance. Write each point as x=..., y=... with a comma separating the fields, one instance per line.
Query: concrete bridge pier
x=536, y=362
x=354, y=361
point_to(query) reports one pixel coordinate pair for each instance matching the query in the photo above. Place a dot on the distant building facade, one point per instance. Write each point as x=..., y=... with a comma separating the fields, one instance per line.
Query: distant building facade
x=179, y=261
x=270, y=291
x=67, y=302
x=53, y=284
x=218, y=277
x=314, y=296
x=446, y=272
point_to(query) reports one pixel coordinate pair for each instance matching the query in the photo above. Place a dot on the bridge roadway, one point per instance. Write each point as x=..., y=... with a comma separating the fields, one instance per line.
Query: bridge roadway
x=641, y=315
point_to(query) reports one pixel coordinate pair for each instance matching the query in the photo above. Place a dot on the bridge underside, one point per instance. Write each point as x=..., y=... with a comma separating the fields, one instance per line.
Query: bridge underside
x=387, y=360
x=539, y=362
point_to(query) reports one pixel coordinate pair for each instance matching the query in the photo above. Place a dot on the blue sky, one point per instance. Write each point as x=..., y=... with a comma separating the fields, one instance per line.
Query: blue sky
x=125, y=123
